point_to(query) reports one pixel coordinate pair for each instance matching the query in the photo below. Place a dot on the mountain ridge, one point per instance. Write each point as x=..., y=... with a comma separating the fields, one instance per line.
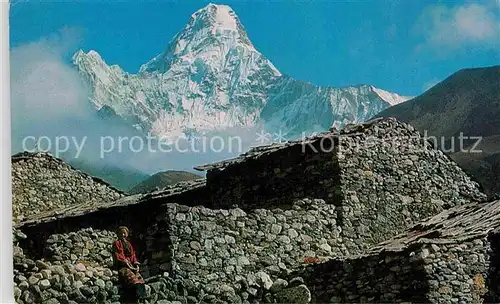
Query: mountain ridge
x=162, y=179
x=211, y=77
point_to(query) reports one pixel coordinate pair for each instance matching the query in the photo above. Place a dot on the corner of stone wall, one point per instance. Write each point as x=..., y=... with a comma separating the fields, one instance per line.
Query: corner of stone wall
x=457, y=272
x=390, y=181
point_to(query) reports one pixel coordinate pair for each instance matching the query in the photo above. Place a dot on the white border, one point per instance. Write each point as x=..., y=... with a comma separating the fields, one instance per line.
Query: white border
x=6, y=253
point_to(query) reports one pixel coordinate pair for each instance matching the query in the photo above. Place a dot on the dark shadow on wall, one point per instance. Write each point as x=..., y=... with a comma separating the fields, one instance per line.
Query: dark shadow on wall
x=276, y=179
x=137, y=218
x=493, y=280
x=388, y=277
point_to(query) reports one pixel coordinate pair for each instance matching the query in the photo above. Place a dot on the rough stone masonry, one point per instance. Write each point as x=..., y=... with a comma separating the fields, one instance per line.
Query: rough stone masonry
x=42, y=183
x=244, y=234
x=450, y=258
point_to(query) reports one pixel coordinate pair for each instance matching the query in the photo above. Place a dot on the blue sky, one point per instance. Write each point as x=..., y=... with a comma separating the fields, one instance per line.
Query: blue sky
x=400, y=46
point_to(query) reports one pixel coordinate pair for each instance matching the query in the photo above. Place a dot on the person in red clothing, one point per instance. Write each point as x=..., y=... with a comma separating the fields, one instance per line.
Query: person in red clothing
x=126, y=262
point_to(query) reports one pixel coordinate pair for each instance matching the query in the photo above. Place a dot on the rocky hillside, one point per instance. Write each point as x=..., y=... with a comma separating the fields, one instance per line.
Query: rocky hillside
x=467, y=103
x=484, y=166
x=162, y=179
x=212, y=77
x=246, y=233
x=44, y=184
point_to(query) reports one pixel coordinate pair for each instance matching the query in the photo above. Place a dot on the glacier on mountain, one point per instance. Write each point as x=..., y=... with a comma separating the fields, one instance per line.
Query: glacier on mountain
x=211, y=77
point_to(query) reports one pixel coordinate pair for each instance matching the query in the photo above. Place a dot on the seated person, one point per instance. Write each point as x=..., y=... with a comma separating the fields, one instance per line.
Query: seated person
x=126, y=263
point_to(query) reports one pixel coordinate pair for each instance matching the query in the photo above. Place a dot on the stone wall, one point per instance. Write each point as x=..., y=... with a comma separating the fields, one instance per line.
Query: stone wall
x=276, y=178
x=382, y=176
x=239, y=256
x=494, y=272
x=386, y=278
x=450, y=258
x=90, y=246
x=263, y=256
x=76, y=268
x=201, y=243
x=392, y=179
x=258, y=220
x=457, y=273
x=430, y=273
x=378, y=191
x=42, y=183
x=140, y=213
x=211, y=246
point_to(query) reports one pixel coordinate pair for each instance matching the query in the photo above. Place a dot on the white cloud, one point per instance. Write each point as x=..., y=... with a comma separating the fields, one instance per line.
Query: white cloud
x=48, y=97
x=460, y=25
x=44, y=88
x=50, y=100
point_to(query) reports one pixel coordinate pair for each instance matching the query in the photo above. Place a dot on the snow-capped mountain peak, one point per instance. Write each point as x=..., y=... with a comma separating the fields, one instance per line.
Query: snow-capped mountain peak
x=215, y=15
x=215, y=36
x=212, y=77
x=391, y=98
